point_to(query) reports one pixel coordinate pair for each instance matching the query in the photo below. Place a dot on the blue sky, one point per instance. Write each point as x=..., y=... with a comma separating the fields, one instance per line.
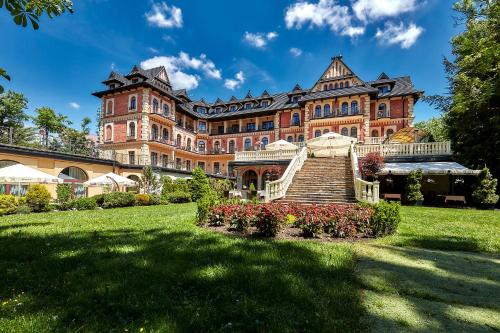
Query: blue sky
x=225, y=47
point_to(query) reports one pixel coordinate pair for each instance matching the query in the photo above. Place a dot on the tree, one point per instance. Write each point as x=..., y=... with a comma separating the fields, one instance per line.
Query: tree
x=484, y=192
x=85, y=125
x=371, y=165
x=472, y=108
x=47, y=120
x=199, y=184
x=435, y=127
x=149, y=182
x=3, y=73
x=414, y=186
x=13, y=107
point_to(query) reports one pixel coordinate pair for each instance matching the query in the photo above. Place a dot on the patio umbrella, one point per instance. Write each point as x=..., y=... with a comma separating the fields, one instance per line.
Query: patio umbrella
x=22, y=174
x=330, y=144
x=281, y=145
x=110, y=179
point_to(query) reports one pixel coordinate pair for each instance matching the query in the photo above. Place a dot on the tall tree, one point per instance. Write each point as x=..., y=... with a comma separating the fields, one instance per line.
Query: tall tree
x=472, y=109
x=30, y=11
x=435, y=127
x=50, y=122
x=12, y=116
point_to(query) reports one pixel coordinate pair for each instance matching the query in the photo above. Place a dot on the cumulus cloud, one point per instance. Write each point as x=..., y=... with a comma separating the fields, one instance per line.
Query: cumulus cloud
x=296, y=52
x=372, y=10
x=235, y=83
x=392, y=34
x=259, y=39
x=177, y=66
x=74, y=105
x=325, y=13
x=165, y=16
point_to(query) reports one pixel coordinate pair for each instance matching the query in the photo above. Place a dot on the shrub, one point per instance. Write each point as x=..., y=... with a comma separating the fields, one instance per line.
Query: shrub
x=38, y=198
x=99, y=199
x=484, y=194
x=242, y=217
x=155, y=199
x=149, y=182
x=220, y=215
x=199, y=184
x=23, y=209
x=83, y=204
x=220, y=186
x=143, y=199
x=270, y=219
x=168, y=186
x=64, y=196
x=118, y=199
x=8, y=204
x=371, y=165
x=179, y=197
x=385, y=219
x=413, y=186
x=204, y=204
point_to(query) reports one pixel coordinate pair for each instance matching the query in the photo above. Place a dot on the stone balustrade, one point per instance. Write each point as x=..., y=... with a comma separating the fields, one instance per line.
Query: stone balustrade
x=265, y=155
x=406, y=149
x=364, y=190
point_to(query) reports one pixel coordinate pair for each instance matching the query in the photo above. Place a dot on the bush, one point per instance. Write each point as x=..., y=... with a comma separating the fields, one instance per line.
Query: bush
x=270, y=219
x=143, y=199
x=199, y=185
x=155, y=199
x=8, y=204
x=242, y=217
x=23, y=209
x=371, y=165
x=386, y=218
x=179, y=197
x=181, y=185
x=220, y=186
x=484, y=194
x=168, y=186
x=220, y=215
x=83, y=204
x=413, y=186
x=99, y=199
x=204, y=204
x=38, y=198
x=118, y=199
x=64, y=196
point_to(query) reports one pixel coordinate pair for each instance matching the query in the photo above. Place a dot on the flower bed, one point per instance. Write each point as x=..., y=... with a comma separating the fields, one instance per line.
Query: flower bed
x=332, y=220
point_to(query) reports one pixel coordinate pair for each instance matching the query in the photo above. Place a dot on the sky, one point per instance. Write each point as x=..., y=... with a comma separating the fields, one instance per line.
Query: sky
x=222, y=48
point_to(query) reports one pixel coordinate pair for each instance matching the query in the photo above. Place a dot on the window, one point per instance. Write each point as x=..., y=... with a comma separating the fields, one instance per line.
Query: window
x=154, y=158
x=131, y=157
x=345, y=108
x=354, y=107
x=264, y=142
x=250, y=127
x=375, y=134
x=133, y=102
x=344, y=131
x=330, y=87
x=267, y=125
x=325, y=87
x=220, y=129
x=202, y=126
x=131, y=130
x=317, y=133
x=155, y=105
x=289, y=138
x=382, y=111
x=336, y=86
x=108, y=133
x=201, y=146
x=188, y=144
x=109, y=107
x=216, y=168
x=165, y=134
x=326, y=130
x=112, y=86
x=188, y=165
x=231, y=146
x=217, y=146
x=154, y=132
x=179, y=140
x=383, y=89
x=248, y=144
x=389, y=132
x=317, y=111
x=264, y=104
x=295, y=99
x=201, y=165
x=164, y=161
x=341, y=85
x=354, y=132
x=166, y=109
x=233, y=108
x=218, y=109
x=248, y=106
x=346, y=84
x=295, y=119
x=301, y=138
x=327, y=110
x=201, y=109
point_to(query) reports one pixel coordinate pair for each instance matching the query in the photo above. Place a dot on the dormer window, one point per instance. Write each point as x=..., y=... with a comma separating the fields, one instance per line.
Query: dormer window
x=112, y=86
x=201, y=109
x=383, y=89
x=295, y=99
x=218, y=109
x=233, y=108
x=135, y=80
x=264, y=104
x=248, y=106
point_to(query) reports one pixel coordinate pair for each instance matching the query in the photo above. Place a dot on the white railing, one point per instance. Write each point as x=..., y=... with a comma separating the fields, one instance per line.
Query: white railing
x=260, y=155
x=374, y=140
x=364, y=190
x=277, y=189
x=406, y=149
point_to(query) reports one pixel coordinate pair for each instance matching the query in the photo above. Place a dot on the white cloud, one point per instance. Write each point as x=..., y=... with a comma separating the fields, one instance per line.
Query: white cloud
x=176, y=68
x=296, y=52
x=238, y=80
x=153, y=50
x=399, y=34
x=372, y=10
x=74, y=105
x=168, y=39
x=259, y=39
x=165, y=16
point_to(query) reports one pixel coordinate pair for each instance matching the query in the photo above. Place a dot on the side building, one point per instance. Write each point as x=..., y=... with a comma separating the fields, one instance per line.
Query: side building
x=145, y=122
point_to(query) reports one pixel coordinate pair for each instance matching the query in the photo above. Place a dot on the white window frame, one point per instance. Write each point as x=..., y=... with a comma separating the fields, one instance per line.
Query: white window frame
x=112, y=100
x=136, y=102
x=112, y=132
x=128, y=127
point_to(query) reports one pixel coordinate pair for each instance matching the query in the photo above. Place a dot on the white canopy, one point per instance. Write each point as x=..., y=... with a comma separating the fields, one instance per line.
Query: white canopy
x=110, y=179
x=281, y=145
x=428, y=168
x=19, y=173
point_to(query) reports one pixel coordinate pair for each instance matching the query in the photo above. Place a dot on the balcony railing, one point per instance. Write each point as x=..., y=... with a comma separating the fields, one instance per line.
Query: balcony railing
x=230, y=130
x=265, y=155
x=406, y=149
x=342, y=112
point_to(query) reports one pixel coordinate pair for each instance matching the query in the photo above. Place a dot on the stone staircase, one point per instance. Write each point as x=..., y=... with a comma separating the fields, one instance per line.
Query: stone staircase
x=321, y=181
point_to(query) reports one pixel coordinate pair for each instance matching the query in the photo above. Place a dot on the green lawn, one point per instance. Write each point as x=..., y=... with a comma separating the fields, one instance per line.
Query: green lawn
x=151, y=268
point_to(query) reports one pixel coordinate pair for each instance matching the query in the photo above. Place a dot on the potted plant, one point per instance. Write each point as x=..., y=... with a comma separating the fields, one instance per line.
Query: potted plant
x=371, y=165
x=413, y=188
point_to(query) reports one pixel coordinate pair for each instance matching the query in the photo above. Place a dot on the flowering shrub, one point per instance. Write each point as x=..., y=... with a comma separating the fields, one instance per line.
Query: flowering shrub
x=371, y=165
x=220, y=215
x=242, y=217
x=270, y=219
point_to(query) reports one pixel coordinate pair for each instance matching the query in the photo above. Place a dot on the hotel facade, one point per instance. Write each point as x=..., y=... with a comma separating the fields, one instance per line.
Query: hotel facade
x=145, y=122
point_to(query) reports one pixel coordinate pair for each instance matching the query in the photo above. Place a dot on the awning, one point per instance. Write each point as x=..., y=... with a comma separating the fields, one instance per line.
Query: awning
x=110, y=179
x=428, y=168
x=19, y=173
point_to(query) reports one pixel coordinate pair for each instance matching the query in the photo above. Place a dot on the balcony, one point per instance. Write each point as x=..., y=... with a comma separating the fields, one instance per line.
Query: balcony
x=164, y=116
x=406, y=149
x=265, y=155
x=234, y=130
x=342, y=112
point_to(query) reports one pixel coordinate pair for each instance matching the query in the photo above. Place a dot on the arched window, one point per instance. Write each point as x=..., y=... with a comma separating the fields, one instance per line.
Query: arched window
x=188, y=143
x=165, y=109
x=133, y=102
x=382, y=110
x=336, y=86
x=248, y=144
x=317, y=111
x=326, y=130
x=217, y=146
x=155, y=105
x=289, y=138
x=6, y=163
x=295, y=119
x=109, y=107
x=317, y=133
x=201, y=146
x=264, y=142
x=354, y=107
x=131, y=130
x=330, y=86
x=179, y=140
x=345, y=109
x=375, y=134
x=108, y=133
x=354, y=132
x=154, y=132
x=327, y=110
x=301, y=138
x=344, y=131
x=346, y=84
x=341, y=85
x=389, y=132
x=165, y=134
x=325, y=87
x=73, y=174
x=231, y=146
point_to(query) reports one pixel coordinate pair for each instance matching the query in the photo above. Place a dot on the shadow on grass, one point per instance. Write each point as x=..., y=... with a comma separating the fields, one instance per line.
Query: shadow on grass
x=420, y=290
x=178, y=281
x=22, y=225
x=447, y=243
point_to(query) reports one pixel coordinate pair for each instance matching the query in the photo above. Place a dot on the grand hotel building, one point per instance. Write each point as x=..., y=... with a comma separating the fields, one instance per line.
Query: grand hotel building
x=144, y=121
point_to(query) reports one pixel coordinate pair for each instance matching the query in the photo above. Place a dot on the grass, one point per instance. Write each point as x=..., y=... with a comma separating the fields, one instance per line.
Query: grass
x=151, y=268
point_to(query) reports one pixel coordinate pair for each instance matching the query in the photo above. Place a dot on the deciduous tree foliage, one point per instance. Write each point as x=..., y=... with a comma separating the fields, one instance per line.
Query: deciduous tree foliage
x=50, y=122
x=13, y=114
x=435, y=127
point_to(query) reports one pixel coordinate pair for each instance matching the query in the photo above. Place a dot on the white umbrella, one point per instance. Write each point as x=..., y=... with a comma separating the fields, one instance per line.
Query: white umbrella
x=330, y=144
x=110, y=179
x=281, y=145
x=22, y=174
